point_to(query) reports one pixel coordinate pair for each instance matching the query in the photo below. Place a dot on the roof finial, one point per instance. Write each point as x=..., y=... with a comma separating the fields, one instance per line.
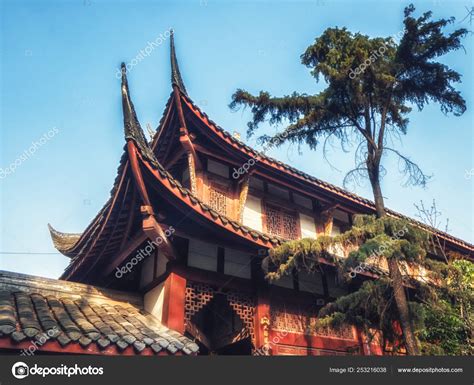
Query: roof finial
x=150, y=130
x=132, y=128
x=175, y=74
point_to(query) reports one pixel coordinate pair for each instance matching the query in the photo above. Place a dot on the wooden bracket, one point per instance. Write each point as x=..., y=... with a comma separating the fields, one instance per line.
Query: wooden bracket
x=155, y=232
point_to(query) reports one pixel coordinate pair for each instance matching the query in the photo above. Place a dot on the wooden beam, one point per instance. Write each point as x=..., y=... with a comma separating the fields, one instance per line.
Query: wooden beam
x=132, y=152
x=184, y=134
x=222, y=281
x=125, y=252
x=131, y=218
x=155, y=232
x=177, y=155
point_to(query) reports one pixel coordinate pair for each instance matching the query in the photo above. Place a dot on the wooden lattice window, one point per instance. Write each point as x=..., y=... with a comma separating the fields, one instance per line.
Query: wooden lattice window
x=218, y=200
x=198, y=296
x=281, y=223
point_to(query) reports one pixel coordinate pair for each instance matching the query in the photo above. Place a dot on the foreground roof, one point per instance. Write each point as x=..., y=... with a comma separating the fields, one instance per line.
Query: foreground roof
x=66, y=317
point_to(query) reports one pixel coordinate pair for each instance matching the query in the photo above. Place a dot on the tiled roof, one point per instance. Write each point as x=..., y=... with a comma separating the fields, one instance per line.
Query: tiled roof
x=82, y=315
x=311, y=179
x=196, y=203
x=63, y=241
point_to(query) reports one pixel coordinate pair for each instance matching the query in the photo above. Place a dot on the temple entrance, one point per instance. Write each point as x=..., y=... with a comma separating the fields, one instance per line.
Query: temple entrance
x=219, y=330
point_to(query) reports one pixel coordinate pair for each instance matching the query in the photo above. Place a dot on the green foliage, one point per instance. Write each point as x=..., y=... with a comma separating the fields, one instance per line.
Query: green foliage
x=442, y=316
x=371, y=85
x=444, y=331
x=371, y=308
x=450, y=312
x=372, y=237
x=299, y=254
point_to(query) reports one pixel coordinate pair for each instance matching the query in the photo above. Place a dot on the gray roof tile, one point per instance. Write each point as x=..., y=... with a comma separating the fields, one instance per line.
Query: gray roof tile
x=33, y=313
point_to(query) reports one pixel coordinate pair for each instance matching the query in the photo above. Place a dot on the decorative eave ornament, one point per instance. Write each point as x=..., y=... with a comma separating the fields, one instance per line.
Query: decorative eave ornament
x=175, y=74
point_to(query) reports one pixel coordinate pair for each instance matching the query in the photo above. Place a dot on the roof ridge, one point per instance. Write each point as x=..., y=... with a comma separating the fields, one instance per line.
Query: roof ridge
x=13, y=279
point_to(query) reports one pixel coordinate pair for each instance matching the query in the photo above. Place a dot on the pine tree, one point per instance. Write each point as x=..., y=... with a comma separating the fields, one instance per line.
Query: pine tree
x=372, y=84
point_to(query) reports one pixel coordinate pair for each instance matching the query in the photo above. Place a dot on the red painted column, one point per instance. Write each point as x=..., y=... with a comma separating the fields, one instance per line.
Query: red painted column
x=173, y=302
x=262, y=322
x=365, y=349
x=372, y=349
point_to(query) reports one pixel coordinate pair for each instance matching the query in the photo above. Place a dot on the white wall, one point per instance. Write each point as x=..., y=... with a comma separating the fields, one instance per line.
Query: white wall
x=153, y=300
x=308, y=227
x=161, y=264
x=253, y=213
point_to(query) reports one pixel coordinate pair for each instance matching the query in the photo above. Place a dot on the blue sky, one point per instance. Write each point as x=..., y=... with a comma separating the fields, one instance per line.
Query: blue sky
x=58, y=67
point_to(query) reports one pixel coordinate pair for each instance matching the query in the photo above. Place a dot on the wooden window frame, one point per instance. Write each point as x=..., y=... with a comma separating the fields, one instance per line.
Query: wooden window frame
x=291, y=212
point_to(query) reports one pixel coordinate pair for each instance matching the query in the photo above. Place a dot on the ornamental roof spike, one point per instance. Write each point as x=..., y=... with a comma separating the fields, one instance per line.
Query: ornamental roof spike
x=175, y=73
x=132, y=129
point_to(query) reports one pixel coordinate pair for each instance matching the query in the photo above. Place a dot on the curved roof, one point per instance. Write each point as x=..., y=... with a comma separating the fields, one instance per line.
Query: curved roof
x=105, y=234
x=107, y=231
x=63, y=241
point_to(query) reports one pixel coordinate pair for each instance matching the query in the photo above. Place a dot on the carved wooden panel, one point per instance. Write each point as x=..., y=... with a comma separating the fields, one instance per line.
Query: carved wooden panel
x=289, y=223
x=284, y=350
x=281, y=223
x=218, y=200
x=197, y=296
x=244, y=306
x=303, y=321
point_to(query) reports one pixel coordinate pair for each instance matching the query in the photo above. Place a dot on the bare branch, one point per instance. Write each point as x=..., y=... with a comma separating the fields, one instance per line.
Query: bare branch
x=415, y=176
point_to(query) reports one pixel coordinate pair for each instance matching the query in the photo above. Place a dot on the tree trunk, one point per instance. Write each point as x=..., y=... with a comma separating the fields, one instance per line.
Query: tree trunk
x=395, y=274
x=378, y=197
x=402, y=306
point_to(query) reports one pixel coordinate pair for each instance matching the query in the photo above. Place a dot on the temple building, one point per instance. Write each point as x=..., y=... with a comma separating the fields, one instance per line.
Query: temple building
x=172, y=263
